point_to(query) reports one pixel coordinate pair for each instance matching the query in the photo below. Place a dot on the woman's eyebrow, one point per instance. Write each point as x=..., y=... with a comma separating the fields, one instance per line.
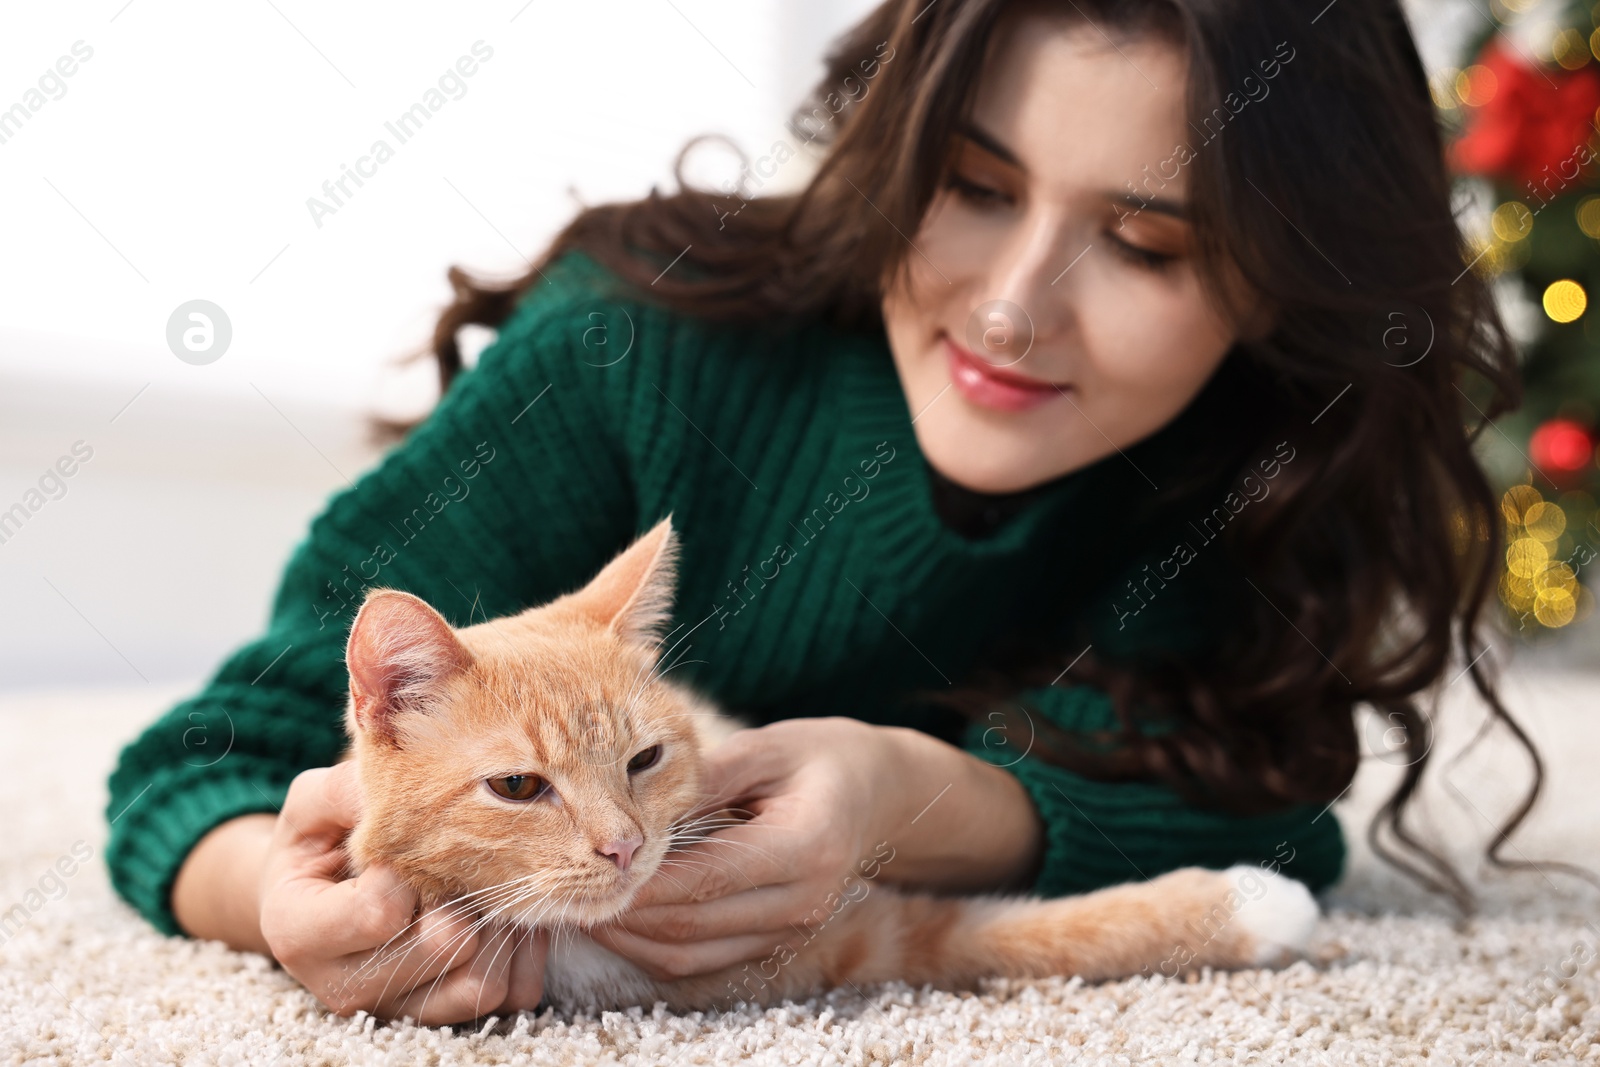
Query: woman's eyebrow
x=1161, y=205
x=989, y=143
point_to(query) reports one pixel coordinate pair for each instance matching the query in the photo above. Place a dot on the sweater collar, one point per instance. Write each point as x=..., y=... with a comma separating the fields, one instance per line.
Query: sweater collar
x=875, y=417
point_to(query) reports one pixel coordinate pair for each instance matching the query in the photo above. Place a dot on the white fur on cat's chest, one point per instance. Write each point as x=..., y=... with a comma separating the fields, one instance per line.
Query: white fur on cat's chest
x=580, y=973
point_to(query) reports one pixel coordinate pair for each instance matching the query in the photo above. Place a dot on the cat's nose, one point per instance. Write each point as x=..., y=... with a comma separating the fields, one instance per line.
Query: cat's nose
x=621, y=852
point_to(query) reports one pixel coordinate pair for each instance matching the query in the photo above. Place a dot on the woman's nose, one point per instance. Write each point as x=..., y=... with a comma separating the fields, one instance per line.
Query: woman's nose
x=1029, y=292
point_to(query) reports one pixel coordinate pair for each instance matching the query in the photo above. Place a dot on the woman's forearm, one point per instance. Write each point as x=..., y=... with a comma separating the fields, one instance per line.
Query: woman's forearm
x=217, y=892
x=962, y=824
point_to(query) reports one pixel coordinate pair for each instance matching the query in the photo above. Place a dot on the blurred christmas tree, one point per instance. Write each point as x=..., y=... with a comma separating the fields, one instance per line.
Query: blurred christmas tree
x=1525, y=115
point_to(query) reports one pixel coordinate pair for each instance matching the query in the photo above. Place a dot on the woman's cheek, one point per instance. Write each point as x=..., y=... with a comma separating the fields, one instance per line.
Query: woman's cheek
x=1153, y=339
x=960, y=242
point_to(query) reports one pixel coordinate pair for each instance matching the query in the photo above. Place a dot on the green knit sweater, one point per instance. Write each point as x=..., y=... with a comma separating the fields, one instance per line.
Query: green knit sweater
x=816, y=578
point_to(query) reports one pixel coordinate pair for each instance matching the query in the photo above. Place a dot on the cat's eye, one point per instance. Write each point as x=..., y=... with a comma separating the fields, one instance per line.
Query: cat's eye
x=518, y=786
x=644, y=759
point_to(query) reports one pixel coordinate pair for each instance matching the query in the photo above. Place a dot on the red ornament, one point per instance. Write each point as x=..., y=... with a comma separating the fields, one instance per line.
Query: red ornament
x=1560, y=446
x=1535, y=127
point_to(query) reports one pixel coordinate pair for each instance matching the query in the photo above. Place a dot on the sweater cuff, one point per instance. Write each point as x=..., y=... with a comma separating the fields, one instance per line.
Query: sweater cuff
x=152, y=837
x=1104, y=833
x=1076, y=856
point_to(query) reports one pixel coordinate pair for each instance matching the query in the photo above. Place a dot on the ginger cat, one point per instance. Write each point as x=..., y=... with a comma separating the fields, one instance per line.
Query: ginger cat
x=538, y=769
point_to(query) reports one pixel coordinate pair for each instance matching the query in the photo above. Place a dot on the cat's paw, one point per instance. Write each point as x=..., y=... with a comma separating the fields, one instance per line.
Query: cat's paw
x=1276, y=912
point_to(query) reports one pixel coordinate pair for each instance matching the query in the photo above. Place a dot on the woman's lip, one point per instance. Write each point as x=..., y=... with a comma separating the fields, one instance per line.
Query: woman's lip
x=988, y=386
x=1021, y=381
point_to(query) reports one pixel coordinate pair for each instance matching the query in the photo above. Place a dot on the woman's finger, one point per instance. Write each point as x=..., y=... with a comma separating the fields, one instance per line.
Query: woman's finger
x=665, y=962
x=339, y=918
x=322, y=804
x=525, y=989
x=441, y=940
x=736, y=858
x=745, y=765
x=473, y=988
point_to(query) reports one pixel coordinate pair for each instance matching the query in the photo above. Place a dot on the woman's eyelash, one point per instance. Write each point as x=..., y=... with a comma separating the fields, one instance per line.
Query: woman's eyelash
x=973, y=193
x=1142, y=257
x=983, y=196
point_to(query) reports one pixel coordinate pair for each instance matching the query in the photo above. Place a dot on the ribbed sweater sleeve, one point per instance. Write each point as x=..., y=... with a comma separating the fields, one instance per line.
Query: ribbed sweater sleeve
x=1099, y=833
x=1102, y=833
x=514, y=490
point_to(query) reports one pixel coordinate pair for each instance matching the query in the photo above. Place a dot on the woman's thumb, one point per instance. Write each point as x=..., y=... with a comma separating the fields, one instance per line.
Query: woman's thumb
x=342, y=790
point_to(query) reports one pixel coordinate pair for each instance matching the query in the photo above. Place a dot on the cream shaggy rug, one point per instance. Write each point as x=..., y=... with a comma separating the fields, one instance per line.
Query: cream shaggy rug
x=1392, y=980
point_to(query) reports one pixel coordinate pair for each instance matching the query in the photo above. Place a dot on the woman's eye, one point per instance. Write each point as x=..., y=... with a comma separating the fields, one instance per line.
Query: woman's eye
x=518, y=786
x=644, y=759
x=973, y=193
x=1142, y=257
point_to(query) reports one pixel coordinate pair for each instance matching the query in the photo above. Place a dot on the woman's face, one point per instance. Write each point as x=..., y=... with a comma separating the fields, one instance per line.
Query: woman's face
x=1048, y=319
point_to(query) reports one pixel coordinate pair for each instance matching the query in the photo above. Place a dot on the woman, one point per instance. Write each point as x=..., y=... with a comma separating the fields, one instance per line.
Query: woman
x=1067, y=402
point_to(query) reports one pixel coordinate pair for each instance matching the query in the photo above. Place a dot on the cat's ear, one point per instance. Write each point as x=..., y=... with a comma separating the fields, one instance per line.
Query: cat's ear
x=632, y=595
x=400, y=652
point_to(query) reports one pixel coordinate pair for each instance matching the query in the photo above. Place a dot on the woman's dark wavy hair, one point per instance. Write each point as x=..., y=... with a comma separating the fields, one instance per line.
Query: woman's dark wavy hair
x=1378, y=547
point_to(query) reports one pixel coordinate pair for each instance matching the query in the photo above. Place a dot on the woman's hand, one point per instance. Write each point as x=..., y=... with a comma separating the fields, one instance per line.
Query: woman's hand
x=735, y=895
x=350, y=941
x=837, y=804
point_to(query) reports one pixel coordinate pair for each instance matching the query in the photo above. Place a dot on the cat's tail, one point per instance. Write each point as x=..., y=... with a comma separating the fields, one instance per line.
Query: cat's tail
x=1179, y=922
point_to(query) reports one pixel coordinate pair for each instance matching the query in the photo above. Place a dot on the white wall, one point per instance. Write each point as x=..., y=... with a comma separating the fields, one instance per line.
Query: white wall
x=175, y=163
x=179, y=161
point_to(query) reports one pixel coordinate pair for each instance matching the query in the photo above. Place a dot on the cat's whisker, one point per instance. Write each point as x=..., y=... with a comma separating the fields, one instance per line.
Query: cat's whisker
x=654, y=675
x=712, y=831
x=688, y=841
x=706, y=797
x=488, y=893
x=690, y=854
x=679, y=843
x=459, y=940
x=708, y=805
x=714, y=867
x=390, y=950
x=714, y=835
x=709, y=616
x=669, y=877
x=711, y=817
x=655, y=660
x=696, y=863
x=675, y=664
x=647, y=673
x=372, y=962
x=508, y=939
x=482, y=922
x=704, y=824
x=428, y=962
x=514, y=890
x=688, y=860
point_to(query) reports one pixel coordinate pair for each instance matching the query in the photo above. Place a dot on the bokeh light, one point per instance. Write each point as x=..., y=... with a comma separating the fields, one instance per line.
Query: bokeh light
x=1565, y=300
x=1476, y=85
x=1570, y=49
x=1589, y=213
x=1544, y=521
x=1512, y=221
